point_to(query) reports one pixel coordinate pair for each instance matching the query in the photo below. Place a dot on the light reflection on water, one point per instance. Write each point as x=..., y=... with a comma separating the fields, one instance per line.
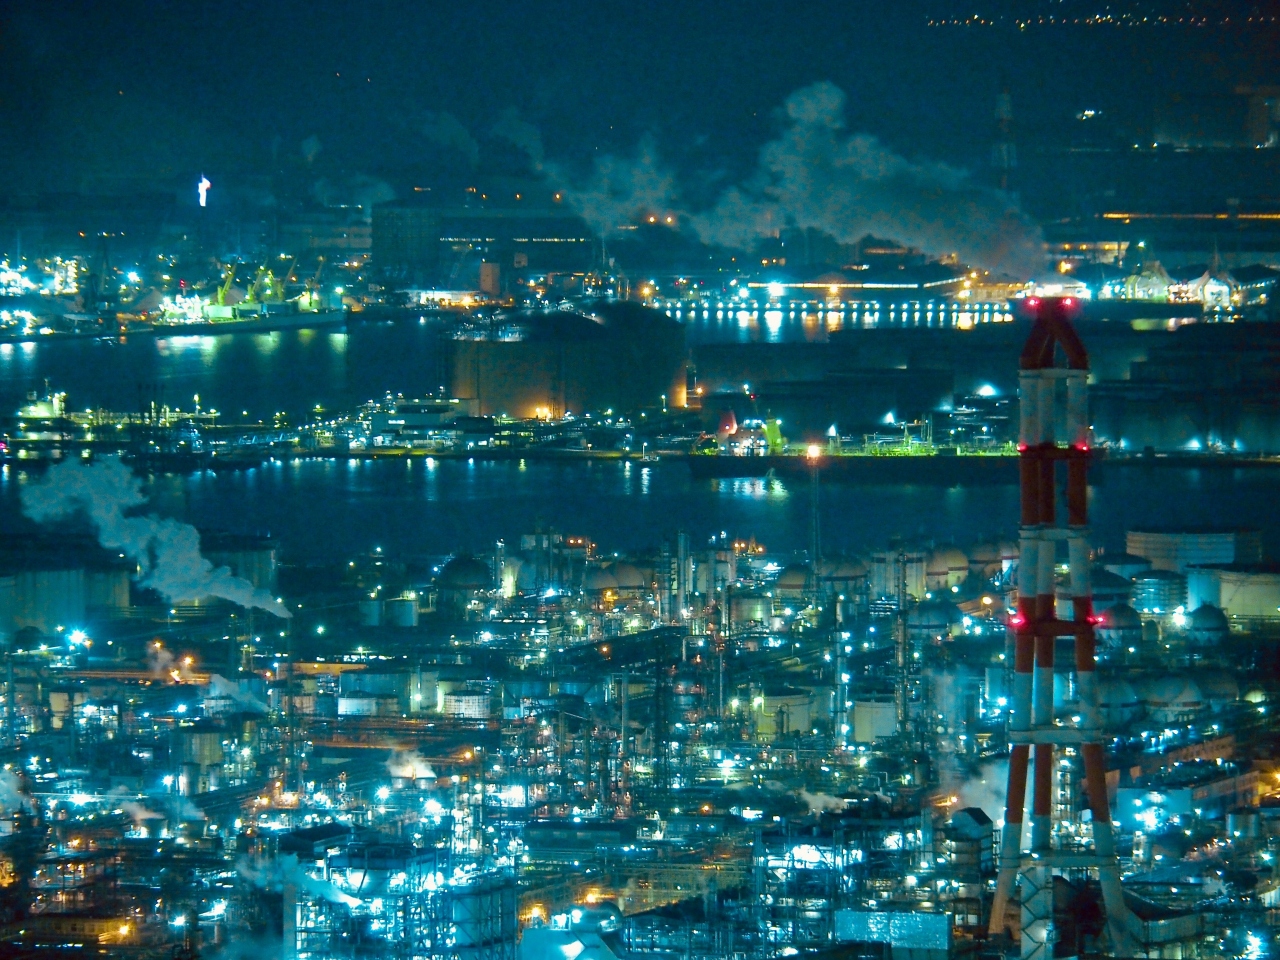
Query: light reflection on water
x=330, y=509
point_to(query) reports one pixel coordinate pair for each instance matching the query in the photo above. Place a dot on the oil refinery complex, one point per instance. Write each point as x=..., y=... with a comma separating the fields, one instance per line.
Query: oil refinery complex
x=1027, y=747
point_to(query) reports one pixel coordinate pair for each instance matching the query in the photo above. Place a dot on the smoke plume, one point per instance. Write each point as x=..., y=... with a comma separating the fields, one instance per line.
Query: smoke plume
x=621, y=189
x=823, y=802
x=446, y=130
x=276, y=873
x=12, y=797
x=984, y=788
x=167, y=551
x=522, y=134
x=815, y=175
x=139, y=813
x=222, y=687
x=411, y=765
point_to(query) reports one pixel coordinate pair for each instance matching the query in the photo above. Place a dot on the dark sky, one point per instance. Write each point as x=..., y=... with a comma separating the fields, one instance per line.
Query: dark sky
x=155, y=89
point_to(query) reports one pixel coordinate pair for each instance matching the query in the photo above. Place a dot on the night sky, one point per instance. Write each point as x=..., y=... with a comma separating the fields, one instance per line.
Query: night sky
x=152, y=89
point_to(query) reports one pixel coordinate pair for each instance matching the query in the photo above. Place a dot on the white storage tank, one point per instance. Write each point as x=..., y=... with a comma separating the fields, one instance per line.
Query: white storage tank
x=874, y=719
x=357, y=706
x=403, y=611
x=467, y=704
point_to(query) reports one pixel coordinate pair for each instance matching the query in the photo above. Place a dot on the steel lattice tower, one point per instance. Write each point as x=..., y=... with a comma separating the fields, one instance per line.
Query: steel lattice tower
x=1053, y=383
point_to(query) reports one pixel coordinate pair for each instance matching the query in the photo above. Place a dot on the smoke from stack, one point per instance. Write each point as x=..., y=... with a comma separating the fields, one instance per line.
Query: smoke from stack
x=620, y=190
x=816, y=176
x=167, y=551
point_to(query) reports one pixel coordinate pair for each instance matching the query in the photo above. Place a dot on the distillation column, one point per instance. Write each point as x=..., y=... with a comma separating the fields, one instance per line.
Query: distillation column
x=1054, y=429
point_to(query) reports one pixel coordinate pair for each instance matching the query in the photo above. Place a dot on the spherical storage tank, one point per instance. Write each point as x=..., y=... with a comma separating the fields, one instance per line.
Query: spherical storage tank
x=1119, y=628
x=1207, y=626
x=946, y=567
x=793, y=580
x=1171, y=698
x=599, y=580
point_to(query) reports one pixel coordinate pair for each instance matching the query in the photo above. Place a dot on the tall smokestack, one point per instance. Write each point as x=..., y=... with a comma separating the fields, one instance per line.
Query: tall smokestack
x=1054, y=430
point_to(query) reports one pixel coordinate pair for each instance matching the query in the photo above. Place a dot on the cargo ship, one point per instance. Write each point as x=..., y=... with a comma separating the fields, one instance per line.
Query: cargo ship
x=264, y=307
x=242, y=321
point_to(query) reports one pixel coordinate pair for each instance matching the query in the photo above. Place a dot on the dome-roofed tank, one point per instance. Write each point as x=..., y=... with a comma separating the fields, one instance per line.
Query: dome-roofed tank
x=629, y=576
x=946, y=567
x=1219, y=687
x=1119, y=627
x=933, y=618
x=1207, y=626
x=464, y=573
x=598, y=580
x=793, y=579
x=1118, y=701
x=984, y=559
x=1171, y=697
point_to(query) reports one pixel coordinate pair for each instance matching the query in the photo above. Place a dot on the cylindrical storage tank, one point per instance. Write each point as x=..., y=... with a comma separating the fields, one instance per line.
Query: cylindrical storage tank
x=750, y=608
x=402, y=612
x=48, y=599
x=1243, y=825
x=996, y=686
x=467, y=704
x=1159, y=591
x=107, y=589
x=874, y=719
x=357, y=706
x=189, y=779
x=371, y=612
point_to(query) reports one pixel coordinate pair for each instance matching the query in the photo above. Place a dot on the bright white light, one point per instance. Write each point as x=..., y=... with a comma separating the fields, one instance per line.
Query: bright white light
x=743, y=292
x=384, y=792
x=77, y=637
x=986, y=390
x=203, y=189
x=776, y=290
x=133, y=277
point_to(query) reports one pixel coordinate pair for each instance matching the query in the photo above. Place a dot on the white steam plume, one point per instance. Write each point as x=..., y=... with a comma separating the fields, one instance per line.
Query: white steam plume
x=411, y=765
x=446, y=130
x=12, y=796
x=815, y=175
x=167, y=551
x=621, y=189
x=276, y=873
x=823, y=802
x=520, y=133
x=222, y=687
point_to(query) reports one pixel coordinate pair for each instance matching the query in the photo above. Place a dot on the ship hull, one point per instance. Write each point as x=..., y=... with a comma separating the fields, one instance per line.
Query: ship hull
x=262, y=323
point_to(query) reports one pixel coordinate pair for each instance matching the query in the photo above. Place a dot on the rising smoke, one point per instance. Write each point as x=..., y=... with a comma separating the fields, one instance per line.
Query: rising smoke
x=166, y=551
x=620, y=189
x=411, y=765
x=445, y=130
x=12, y=796
x=816, y=175
x=278, y=872
x=222, y=687
x=522, y=134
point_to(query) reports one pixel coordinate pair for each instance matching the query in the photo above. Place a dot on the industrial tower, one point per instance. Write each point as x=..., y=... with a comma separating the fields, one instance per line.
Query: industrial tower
x=1054, y=439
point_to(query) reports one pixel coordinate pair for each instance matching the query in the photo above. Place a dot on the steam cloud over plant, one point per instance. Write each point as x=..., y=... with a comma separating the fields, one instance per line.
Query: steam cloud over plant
x=167, y=551
x=815, y=175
